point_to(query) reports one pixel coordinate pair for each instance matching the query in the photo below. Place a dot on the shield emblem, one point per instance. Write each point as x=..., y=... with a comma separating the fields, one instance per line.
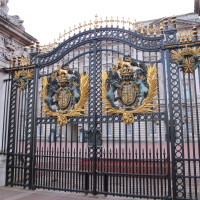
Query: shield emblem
x=128, y=94
x=64, y=98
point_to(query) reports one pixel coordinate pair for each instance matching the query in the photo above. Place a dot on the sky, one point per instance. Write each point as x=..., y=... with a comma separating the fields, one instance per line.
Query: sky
x=45, y=19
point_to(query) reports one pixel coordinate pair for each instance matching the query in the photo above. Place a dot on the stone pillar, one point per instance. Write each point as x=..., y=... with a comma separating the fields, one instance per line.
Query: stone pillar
x=3, y=63
x=13, y=39
x=2, y=170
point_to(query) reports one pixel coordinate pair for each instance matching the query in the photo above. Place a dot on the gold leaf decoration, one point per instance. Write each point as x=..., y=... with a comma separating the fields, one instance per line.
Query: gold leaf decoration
x=147, y=106
x=23, y=77
x=188, y=59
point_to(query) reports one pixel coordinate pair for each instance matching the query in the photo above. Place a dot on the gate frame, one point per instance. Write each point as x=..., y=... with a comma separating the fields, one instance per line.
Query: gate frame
x=178, y=173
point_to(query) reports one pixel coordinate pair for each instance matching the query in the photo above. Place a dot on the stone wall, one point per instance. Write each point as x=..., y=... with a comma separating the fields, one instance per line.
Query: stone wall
x=13, y=40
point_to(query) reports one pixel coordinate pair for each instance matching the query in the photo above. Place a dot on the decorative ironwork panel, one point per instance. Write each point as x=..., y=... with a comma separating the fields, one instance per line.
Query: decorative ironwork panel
x=176, y=122
x=11, y=136
x=29, y=135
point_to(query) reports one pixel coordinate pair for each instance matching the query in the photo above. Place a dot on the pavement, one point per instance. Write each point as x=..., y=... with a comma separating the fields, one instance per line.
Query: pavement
x=16, y=193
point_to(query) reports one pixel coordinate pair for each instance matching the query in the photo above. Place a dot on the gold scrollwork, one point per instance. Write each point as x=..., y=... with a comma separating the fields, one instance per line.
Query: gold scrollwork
x=22, y=78
x=147, y=105
x=187, y=59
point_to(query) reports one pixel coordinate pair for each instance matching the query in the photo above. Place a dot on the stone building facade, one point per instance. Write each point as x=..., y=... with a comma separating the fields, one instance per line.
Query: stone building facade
x=13, y=40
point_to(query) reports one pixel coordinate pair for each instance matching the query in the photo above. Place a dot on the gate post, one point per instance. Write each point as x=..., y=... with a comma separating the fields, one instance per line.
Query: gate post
x=176, y=122
x=95, y=108
x=30, y=130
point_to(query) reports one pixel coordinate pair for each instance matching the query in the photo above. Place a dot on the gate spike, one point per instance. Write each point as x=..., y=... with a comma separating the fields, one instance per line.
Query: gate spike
x=164, y=153
x=190, y=37
x=157, y=151
x=123, y=22
x=90, y=24
x=96, y=21
x=49, y=47
x=60, y=37
x=185, y=37
x=73, y=30
x=69, y=32
x=106, y=21
x=154, y=30
x=101, y=21
x=173, y=20
x=117, y=21
x=80, y=26
x=116, y=153
x=65, y=33
x=161, y=29
x=84, y=25
x=148, y=30
x=195, y=33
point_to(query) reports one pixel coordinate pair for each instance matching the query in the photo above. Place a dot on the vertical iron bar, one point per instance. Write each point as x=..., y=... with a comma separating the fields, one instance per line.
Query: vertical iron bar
x=120, y=157
x=197, y=124
x=168, y=136
x=193, y=134
x=187, y=131
x=34, y=127
x=93, y=124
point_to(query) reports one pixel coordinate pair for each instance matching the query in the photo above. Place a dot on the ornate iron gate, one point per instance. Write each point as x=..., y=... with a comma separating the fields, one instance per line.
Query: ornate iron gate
x=130, y=144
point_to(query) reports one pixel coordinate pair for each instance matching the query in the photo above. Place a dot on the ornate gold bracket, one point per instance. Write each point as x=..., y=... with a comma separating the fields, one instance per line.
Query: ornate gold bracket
x=188, y=59
x=22, y=78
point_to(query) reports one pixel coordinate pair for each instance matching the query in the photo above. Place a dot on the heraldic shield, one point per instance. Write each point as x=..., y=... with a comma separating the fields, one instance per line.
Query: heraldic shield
x=129, y=88
x=65, y=94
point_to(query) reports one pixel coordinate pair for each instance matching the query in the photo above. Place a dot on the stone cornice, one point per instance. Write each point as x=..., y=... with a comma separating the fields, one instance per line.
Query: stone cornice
x=8, y=28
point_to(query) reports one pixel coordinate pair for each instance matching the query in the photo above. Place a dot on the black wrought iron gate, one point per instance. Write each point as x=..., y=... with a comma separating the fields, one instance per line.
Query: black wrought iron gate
x=97, y=152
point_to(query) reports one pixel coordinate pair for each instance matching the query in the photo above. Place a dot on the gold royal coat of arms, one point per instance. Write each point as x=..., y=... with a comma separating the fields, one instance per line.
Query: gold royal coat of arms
x=65, y=94
x=130, y=88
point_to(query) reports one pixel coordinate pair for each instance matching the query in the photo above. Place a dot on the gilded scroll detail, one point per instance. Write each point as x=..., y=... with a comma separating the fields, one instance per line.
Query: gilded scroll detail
x=22, y=78
x=187, y=59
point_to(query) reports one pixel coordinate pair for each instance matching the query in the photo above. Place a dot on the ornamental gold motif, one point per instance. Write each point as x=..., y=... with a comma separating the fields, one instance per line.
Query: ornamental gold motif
x=130, y=88
x=187, y=59
x=22, y=78
x=65, y=94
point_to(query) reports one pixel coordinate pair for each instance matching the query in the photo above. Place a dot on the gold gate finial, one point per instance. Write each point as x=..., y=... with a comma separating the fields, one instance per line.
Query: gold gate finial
x=96, y=21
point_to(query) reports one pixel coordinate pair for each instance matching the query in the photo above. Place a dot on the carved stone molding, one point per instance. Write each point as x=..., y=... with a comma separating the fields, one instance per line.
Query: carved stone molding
x=15, y=19
x=9, y=48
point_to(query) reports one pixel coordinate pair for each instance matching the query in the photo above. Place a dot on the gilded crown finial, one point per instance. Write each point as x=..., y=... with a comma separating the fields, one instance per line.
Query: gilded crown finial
x=173, y=20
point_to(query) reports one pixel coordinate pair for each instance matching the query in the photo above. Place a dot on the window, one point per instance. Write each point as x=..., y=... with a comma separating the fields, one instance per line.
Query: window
x=110, y=129
x=129, y=129
x=187, y=91
x=189, y=128
x=152, y=129
x=74, y=132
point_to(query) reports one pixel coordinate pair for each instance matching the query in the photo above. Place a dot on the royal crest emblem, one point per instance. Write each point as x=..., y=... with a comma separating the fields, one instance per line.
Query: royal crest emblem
x=65, y=94
x=129, y=88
